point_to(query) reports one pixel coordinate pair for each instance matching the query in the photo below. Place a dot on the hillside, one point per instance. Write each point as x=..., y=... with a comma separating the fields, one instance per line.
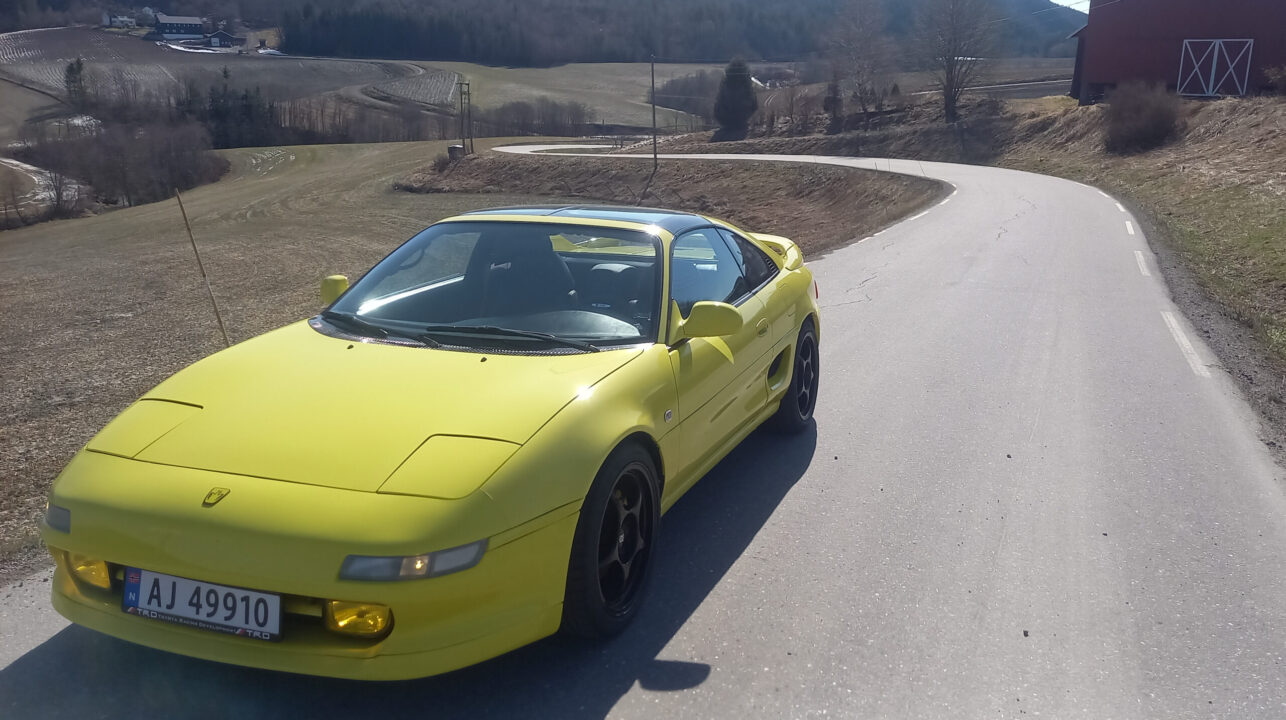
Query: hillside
x=563, y=31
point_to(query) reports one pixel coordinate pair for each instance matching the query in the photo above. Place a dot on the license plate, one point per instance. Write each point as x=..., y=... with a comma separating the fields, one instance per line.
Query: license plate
x=202, y=605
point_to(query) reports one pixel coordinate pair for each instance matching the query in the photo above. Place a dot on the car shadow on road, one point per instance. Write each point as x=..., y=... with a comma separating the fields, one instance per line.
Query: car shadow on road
x=80, y=673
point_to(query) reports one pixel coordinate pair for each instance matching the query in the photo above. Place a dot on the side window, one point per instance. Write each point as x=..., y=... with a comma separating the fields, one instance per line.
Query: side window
x=703, y=268
x=755, y=265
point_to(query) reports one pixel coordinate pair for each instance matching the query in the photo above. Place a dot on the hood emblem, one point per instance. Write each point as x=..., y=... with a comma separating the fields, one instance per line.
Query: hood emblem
x=214, y=496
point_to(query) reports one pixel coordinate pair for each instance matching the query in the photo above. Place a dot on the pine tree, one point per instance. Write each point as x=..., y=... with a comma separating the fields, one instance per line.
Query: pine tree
x=736, y=101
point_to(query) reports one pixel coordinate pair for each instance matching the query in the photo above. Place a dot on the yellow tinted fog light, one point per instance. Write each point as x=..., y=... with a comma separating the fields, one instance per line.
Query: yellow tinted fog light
x=360, y=619
x=89, y=570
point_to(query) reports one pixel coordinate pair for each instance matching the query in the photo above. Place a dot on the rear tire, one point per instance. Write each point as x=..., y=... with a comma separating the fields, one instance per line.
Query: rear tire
x=796, y=409
x=610, y=564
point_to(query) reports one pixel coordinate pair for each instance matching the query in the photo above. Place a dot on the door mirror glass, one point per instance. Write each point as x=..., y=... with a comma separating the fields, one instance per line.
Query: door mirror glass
x=711, y=319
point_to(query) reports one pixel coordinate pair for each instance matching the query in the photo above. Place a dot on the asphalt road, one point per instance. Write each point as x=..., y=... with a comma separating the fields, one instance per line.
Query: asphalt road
x=1031, y=490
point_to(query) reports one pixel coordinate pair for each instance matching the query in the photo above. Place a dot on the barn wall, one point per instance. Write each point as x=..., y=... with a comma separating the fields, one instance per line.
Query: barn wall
x=1142, y=39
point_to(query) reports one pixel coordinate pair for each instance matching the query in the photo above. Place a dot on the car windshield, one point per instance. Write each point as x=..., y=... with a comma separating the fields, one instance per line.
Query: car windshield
x=518, y=284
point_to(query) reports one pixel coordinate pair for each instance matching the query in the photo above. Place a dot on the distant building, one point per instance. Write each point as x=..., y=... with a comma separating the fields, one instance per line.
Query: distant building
x=175, y=27
x=223, y=38
x=118, y=21
x=1197, y=48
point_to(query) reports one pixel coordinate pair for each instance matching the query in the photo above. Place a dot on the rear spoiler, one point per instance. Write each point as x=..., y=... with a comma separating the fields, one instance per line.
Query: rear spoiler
x=792, y=257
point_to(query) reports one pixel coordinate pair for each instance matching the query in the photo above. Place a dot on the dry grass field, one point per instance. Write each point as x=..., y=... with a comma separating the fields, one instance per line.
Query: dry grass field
x=38, y=58
x=616, y=92
x=17, y=105
x=97, y=310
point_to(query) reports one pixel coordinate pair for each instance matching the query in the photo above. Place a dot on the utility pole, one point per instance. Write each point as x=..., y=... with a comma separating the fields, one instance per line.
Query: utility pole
x=655, y=161
x=466, y=116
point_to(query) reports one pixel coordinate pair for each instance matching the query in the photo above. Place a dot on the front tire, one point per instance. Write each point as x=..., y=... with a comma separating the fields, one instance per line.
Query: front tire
x=610, y=564
x=797, y=405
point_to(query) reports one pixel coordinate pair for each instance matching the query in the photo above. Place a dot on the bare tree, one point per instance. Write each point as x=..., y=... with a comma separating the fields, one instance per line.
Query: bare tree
x=955, y=36
x=862, y=54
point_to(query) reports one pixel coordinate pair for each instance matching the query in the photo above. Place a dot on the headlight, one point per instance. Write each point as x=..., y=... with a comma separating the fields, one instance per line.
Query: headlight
x=434, y=564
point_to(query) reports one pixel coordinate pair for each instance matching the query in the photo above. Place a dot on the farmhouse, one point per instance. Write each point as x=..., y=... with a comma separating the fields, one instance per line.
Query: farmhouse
x=223, y=38
x=1197, y=48
x=176, y=27
x=119, y=21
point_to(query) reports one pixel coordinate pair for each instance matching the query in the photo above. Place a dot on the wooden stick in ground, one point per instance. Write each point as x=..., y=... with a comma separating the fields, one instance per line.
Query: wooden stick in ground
x=214, y=304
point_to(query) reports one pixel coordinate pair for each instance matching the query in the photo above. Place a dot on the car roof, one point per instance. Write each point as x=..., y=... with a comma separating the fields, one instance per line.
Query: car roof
x=672, y=221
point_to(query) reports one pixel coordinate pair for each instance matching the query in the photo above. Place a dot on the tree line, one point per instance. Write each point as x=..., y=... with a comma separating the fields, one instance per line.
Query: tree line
x=522, y=33
x=516, y=32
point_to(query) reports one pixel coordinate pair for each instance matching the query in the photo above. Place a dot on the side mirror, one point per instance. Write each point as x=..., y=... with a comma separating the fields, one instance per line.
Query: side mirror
x=332, y=287
x=711, y=319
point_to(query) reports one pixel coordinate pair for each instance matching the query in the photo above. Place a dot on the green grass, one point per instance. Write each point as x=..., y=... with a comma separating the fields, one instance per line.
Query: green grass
x=617, y=92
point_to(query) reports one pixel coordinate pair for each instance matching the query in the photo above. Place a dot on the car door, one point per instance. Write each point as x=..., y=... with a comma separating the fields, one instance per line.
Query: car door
x=720, y=380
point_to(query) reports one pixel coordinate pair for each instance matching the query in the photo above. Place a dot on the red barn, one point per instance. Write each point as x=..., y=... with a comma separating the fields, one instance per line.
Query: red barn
x=1201, y=48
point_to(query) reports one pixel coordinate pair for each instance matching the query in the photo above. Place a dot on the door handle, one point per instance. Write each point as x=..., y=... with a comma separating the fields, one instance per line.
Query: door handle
x=762, y=328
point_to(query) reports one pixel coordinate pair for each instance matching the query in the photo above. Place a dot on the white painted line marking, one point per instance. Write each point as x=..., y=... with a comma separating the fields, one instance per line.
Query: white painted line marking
x=945, y=201
x=1129, y=227
x=1100, y=192
x=1120, y=207
x=917, y=217
x=1185, y=346
x=1143, y=266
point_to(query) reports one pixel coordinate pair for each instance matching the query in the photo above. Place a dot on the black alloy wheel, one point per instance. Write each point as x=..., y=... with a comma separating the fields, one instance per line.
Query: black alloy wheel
x=610, y=563
x=625, y=540
x=800, y=400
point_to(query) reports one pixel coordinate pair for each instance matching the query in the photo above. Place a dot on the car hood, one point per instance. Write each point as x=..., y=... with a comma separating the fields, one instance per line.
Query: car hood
x=298, y=406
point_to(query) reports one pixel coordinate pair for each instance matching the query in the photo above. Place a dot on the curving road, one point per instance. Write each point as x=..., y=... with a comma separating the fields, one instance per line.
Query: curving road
x=1031, y=491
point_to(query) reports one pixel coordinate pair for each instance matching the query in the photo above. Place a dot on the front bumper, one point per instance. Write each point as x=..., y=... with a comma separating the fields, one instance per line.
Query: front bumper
x=149, y=520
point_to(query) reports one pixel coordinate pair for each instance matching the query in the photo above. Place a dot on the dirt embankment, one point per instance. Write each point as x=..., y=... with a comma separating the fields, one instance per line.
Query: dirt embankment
x=818, y=207
x=1213, y=201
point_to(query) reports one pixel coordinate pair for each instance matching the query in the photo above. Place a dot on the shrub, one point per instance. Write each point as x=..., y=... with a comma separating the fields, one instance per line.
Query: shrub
x=1277, y=78
x=1139, y=118
x=441, y=163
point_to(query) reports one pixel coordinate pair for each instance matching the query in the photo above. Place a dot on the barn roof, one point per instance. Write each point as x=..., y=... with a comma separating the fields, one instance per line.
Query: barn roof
x=178, y=19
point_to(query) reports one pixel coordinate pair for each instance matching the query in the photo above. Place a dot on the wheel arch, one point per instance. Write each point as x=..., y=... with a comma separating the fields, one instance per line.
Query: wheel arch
x=648, y=443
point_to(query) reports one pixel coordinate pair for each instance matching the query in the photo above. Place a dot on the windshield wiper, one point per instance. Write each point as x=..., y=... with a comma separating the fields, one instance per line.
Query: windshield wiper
x=510, y=332
x=352, y=322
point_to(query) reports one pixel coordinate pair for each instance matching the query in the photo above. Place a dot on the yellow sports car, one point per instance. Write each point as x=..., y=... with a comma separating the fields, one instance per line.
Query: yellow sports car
x=468, y=450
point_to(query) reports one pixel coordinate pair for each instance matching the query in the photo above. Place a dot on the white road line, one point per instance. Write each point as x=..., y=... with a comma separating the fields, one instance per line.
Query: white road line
x=1120, y=207
x=1129, y=227
x=945, y=201
x=917, y=217
x=1185, y=346
x=1100, y=192
x=1143, y=266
